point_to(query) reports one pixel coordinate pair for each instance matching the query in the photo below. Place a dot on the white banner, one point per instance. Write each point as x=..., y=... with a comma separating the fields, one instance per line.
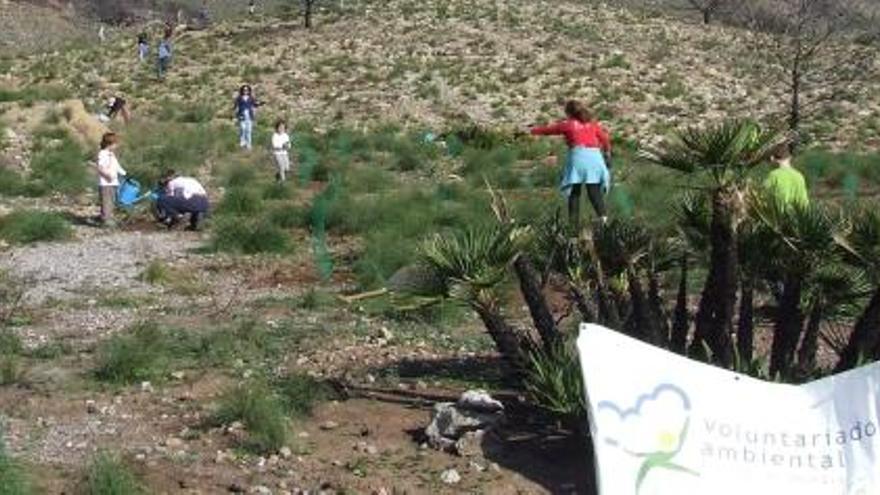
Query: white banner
x=666, y=425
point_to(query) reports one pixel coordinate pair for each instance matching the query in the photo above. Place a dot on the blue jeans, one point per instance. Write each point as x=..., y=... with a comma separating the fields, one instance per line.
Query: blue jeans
x=245, y=133
x=163, y=64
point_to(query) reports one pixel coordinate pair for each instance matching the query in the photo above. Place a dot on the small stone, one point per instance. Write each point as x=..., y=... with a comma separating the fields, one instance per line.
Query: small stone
x=173, y=443
x=91, y=407
x=285, y=452
x=261, y=490
x=146, y=387
x=329, y=425
x=450, y=477
x=178, y=375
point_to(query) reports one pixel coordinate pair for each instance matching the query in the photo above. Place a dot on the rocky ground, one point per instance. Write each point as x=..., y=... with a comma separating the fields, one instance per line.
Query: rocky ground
x=84, y=290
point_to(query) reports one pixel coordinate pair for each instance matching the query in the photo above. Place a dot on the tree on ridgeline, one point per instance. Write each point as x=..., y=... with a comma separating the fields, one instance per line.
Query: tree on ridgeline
x=708, y=8
x=819, y=51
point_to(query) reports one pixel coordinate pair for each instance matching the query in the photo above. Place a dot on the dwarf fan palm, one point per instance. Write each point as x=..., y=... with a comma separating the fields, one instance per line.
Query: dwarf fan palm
x=802, y=238
x=863, y=250
x=724, y=154
x=470, y=264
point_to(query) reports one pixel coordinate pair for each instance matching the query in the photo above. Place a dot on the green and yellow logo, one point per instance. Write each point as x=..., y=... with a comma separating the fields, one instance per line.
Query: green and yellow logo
x=654, y=430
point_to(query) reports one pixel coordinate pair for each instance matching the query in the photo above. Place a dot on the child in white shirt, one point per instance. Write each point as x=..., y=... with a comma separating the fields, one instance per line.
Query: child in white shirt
x=109, y=171
x=280, y=148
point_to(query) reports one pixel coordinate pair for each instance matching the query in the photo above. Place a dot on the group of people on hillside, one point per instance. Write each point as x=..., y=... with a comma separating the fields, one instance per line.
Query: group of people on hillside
x=180, y=195
x=164, y=51
x=245, y=108
x=586, y=171
x=176, y=195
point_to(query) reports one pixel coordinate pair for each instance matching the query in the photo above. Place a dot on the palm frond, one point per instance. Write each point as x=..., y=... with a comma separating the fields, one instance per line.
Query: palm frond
x=724, y=151
x=475, y=259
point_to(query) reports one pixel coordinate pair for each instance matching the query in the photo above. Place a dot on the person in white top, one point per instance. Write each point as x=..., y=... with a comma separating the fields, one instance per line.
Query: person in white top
x=182, y=195
x=280, y=148
x=109, y=171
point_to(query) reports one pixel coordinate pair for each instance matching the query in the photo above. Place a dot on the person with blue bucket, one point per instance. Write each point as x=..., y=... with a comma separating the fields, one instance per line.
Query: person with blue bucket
x=586, y=166
x=109, y=174
x=180, y=196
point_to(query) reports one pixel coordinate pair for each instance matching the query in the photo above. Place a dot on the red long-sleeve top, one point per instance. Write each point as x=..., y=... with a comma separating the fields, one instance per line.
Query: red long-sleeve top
x=577, y=133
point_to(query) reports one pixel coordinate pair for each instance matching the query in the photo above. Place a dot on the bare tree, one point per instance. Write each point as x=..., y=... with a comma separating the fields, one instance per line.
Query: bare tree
x=308, y=5
x=818, y=50
x=707, y=8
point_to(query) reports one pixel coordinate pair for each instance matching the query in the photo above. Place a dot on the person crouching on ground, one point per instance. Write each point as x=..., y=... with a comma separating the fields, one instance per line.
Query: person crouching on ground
x=182, y=195
x=585, y=167
x=280, y=148
x=109, y=172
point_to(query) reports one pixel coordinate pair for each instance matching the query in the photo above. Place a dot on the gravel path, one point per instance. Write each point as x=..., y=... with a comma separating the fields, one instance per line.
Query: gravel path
x=95, y=260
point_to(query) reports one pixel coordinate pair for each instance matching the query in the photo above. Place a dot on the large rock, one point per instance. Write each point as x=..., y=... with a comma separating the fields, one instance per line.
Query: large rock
x=460, y=426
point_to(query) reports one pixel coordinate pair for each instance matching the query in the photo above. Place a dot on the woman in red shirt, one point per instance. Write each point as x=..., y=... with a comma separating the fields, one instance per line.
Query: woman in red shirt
x=585, y=167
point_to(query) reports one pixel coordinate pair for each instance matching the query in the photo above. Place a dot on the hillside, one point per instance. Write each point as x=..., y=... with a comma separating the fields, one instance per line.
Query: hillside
x=429, y=63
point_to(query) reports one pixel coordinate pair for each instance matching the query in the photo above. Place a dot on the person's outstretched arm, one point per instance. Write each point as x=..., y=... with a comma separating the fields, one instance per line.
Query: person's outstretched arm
x=548, y=130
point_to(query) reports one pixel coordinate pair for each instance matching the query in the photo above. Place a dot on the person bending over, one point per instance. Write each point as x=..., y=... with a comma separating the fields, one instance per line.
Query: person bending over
x=182, y=195
x=585, y=167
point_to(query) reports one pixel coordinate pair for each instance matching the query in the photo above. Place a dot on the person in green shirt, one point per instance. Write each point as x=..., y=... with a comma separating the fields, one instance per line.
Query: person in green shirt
x=785, y=183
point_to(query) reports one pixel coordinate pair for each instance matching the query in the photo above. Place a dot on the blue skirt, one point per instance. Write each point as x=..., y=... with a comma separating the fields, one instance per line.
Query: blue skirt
x=584, y=166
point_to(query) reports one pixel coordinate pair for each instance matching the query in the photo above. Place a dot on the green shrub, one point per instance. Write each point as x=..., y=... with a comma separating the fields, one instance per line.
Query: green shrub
x=239, y=175
x=196, y=113
x=156, y=272
x=36, y=93
x=245, y=340
x=59, y=164
x=141, y=353
x=261, y=412
x=554, y=380
x=11, y=183
x=12, y=477
x=109, y=475
x=299, y=393
x=278, y=190
x=240, y=201
x=249, y=236
x=149, y=148
x=10, y=356
x=28, y=226
x=288, y=216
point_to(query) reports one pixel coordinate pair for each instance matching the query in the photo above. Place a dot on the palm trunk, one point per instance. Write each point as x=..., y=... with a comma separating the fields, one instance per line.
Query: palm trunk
x=658, y=312
x=788, y=327
x=810, y=344
x=582, y=304
x=864, y=337
x=643, y=326
x=715, y=313
x=508, y=343
x=530, y=286
x=745, y=329
x=681, y=315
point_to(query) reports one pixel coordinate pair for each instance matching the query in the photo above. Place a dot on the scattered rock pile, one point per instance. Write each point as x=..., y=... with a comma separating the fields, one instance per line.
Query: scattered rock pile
x=461, y=427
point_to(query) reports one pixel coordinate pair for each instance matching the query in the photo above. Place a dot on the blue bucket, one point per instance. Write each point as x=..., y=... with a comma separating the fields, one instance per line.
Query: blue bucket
x=128, y=193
